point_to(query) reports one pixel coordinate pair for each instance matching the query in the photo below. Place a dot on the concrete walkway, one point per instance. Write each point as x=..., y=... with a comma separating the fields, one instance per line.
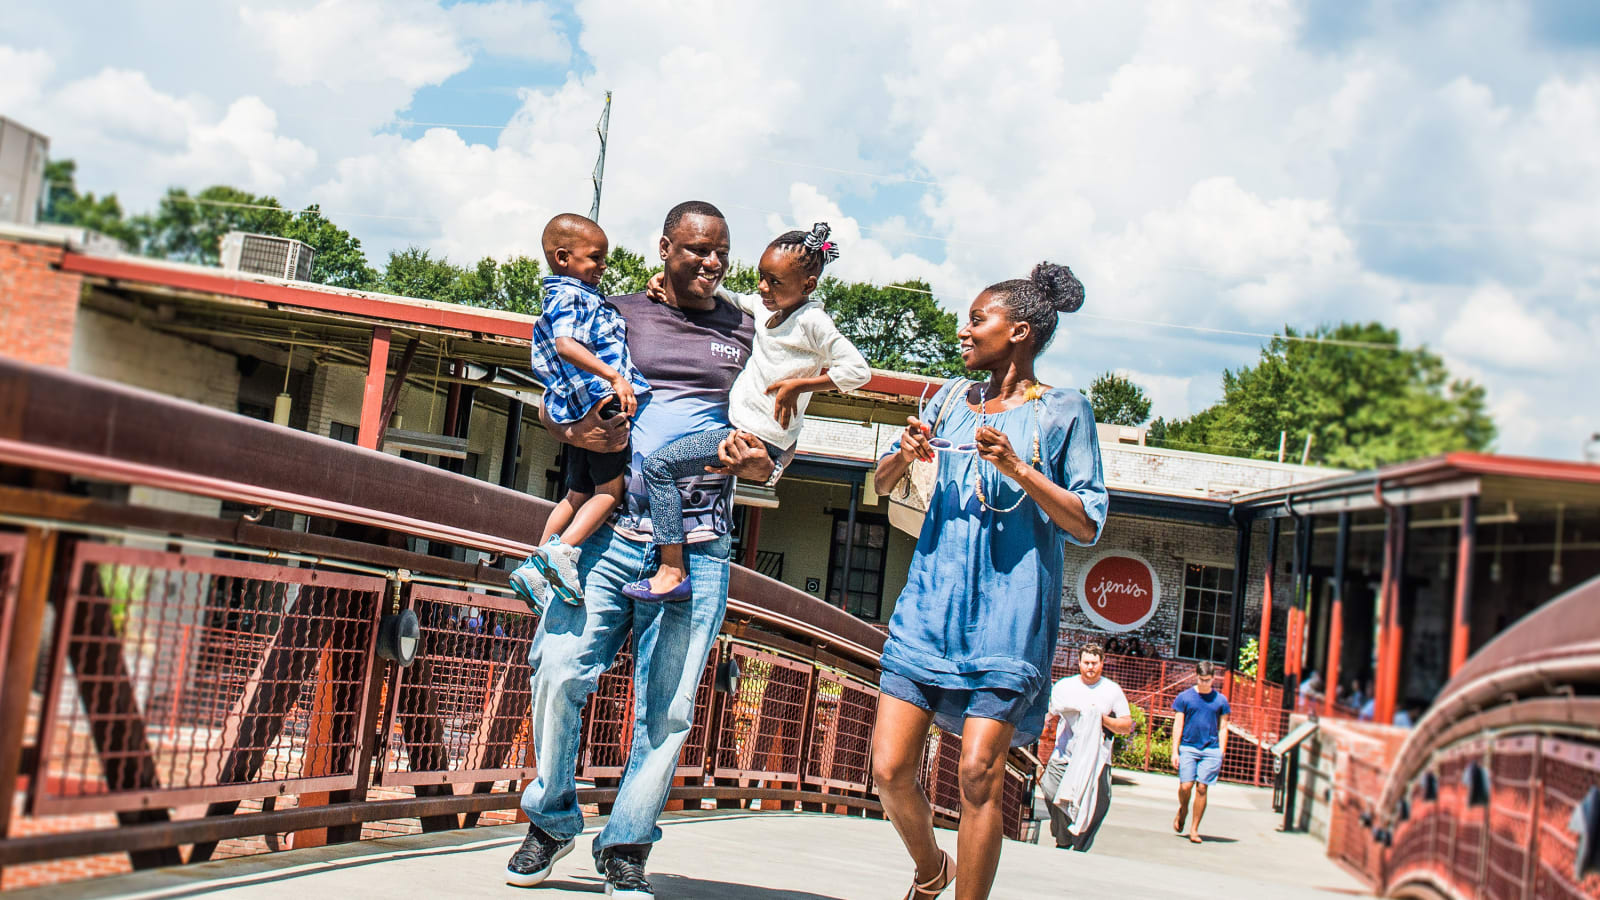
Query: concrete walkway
x=793, y=856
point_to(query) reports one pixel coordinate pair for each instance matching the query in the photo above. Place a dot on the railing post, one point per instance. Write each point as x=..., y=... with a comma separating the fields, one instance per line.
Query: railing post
x=37, y=562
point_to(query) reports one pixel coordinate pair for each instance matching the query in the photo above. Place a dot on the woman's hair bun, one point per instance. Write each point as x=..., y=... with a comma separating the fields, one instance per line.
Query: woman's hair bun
x=1061, y=289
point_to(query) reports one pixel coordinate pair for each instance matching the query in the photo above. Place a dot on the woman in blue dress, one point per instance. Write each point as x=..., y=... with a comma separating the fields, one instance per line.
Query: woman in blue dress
x=974, y=631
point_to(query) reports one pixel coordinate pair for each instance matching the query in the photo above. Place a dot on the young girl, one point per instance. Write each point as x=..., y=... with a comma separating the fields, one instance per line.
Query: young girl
x=795, y=344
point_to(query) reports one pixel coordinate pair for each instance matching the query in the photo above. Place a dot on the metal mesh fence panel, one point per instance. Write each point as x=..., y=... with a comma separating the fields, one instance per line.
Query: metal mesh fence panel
x=182, y=679
x=459, y=712
x=1567, y=770
x=763, y=725
x=841, y=737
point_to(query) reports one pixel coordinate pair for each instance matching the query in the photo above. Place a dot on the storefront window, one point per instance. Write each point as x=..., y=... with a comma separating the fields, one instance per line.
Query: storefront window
x=1204, y=624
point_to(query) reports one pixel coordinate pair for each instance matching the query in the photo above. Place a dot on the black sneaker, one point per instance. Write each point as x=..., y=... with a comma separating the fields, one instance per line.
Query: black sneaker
x=623, y=867
x=532, y=862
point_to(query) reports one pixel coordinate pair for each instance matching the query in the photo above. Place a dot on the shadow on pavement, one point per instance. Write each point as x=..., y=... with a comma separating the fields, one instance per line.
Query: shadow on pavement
x=670, y=886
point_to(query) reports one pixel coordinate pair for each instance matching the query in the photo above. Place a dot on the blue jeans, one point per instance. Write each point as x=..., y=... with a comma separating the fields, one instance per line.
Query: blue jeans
x=575, y=644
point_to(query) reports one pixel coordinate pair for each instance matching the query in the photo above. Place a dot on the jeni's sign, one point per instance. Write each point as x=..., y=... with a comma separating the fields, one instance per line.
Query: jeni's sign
x=1119, y=591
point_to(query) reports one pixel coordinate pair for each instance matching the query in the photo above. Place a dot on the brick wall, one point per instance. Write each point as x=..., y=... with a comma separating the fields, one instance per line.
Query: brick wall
x=1200, y=474
x=118, y=350
x=38, y=303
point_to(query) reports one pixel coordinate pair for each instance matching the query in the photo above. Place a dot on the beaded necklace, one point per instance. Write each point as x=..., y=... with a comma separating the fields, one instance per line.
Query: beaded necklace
x=983, y=420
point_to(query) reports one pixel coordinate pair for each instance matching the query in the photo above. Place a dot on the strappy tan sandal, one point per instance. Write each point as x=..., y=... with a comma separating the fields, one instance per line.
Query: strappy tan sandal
x=933, y=887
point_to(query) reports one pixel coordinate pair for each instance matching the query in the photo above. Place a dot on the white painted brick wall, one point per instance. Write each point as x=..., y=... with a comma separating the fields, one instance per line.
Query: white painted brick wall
x=1168, y=547
x=1198, y=474
x=117, y=350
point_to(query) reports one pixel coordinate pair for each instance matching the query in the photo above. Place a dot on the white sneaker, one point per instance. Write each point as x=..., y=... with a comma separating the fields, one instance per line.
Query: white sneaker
x=558, y=562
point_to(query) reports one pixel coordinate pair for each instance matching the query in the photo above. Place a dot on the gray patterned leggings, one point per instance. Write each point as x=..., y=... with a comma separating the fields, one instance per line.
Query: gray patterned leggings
x=686, y=456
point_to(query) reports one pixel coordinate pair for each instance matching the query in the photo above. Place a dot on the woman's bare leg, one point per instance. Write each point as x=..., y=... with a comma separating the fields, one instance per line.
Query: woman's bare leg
x=898, y=739
x=985, y=743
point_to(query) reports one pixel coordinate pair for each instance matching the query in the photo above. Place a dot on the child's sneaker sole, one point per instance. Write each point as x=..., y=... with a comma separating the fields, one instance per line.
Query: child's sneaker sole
x=557, y=585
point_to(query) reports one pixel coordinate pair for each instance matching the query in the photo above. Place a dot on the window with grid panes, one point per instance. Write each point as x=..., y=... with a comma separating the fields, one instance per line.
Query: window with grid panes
x=1205, y=620
x=862, y=588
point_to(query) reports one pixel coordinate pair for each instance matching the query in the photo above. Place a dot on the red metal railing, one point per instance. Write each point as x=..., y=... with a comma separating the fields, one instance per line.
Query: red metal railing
x=1480, y=800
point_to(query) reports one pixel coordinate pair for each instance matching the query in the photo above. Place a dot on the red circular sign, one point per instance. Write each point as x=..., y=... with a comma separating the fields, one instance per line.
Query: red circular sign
x=1119, y=591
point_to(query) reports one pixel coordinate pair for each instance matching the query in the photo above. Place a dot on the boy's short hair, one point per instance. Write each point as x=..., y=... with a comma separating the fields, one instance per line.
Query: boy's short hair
x=1093, y=648
x=1204, y=668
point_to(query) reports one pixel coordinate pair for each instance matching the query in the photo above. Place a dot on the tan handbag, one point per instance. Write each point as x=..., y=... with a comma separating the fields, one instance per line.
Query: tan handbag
x=908, y=502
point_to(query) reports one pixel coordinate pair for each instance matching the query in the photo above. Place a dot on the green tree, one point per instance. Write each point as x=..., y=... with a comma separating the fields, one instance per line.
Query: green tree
x=513, y=285
x=340, y=260
x=1117, y=400
x=190, y=228
x=741, y=279
x=1362, y=406
x=63, y=205
x=626, y=273
x=901, y=330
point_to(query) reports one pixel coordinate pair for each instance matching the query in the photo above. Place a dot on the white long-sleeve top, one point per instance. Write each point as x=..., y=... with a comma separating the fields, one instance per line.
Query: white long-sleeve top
x=801, y=346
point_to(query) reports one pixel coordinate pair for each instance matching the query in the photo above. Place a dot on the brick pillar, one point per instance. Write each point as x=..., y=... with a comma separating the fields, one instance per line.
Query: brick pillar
x=38, y=303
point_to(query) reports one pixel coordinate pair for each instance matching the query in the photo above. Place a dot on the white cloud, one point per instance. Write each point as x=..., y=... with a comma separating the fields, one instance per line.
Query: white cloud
x=1209, y=164
x=25, y=75
x=512, y=28
x=340, y=43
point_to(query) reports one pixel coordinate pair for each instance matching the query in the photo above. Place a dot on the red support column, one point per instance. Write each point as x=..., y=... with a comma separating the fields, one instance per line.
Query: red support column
x=1341, y=551
x=1391, y=636
x=1264, y=642
x=1467, y=547
x=372, y=423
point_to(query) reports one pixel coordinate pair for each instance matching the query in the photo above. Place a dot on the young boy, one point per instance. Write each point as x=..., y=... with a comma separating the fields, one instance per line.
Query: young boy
x=580, y=355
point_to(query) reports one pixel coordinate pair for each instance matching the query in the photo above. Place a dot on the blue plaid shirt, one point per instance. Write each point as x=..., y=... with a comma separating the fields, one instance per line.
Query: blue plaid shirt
x=576, y=310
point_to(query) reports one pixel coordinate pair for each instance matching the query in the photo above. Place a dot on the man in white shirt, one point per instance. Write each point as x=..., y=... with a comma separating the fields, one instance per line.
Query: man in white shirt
x=1084, y=701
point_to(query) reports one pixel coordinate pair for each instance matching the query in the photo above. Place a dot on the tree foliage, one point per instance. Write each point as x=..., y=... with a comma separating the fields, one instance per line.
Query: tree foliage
x=513, y=286
x=900, y=330
x=63, y=205
x=1362, y=406
x=1117, y=400
x=626, y=273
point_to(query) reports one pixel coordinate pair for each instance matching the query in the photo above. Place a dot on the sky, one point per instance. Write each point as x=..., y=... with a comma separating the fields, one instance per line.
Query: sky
x=1205, y=168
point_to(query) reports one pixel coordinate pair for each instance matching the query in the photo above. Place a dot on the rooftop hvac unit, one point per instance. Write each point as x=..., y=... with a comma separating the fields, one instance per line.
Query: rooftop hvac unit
x=263, y=254
x=22, y=158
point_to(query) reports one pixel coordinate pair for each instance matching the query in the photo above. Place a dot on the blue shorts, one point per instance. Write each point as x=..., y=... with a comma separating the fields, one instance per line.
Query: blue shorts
x=1199, y=765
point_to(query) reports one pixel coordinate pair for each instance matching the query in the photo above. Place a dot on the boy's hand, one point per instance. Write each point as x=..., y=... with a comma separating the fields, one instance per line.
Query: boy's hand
x=787, y=391
x=656, y=288
x=626, y=398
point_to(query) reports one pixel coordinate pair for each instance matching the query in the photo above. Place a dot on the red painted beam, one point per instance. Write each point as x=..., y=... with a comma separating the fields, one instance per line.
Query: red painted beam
x=372, y=423
x=392, y=309
x=1264, y=642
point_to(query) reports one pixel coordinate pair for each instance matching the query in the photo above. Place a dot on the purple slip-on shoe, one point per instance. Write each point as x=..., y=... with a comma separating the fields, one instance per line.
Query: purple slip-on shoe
x=640, y=591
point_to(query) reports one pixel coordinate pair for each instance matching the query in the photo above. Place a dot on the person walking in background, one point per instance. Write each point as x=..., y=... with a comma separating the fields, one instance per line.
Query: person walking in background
x=1093, y=709
x=1202, y=723
x=974, y=631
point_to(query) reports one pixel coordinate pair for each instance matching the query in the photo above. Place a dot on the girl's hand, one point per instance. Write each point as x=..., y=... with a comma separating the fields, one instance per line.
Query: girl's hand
x=786, y=401
x=914, y=441
x=995, y=448
x=626, y=399
x=656, y=288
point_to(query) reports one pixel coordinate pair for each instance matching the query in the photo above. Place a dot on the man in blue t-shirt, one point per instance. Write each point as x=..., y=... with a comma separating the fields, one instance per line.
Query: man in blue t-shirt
x=690, y=347
x=1202, y=726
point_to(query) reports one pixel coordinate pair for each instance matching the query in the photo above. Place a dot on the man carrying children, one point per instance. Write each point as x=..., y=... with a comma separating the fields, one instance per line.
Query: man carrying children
x=689, y=347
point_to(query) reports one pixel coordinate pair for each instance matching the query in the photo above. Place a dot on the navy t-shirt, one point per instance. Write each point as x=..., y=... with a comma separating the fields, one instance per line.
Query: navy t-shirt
x=1202, y=714
x=690, y=358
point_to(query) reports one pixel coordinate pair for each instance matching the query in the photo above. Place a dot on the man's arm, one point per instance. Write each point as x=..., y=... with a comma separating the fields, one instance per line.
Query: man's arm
x=1222, y=733
x=1177, y=735
x=1117, y=724
x=590, y=432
